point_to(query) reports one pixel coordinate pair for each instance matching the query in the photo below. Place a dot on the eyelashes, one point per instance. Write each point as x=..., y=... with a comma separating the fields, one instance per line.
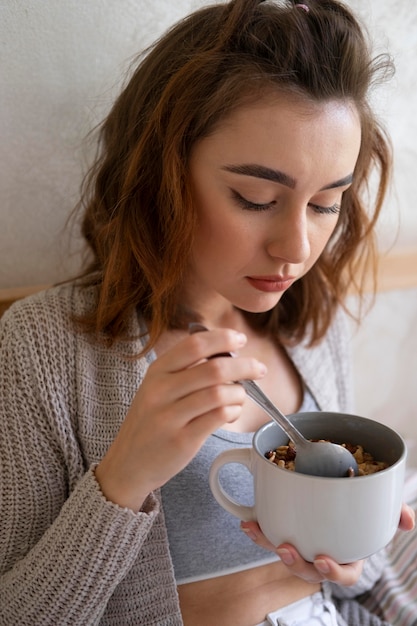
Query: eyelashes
x=254, y=206
x=250, y=206
x=335, y=208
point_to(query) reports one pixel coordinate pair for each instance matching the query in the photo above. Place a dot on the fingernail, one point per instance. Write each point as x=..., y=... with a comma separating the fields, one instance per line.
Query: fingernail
x=262, y=369
x=285, y=556
x=322, y=566
x=241, y=338
x=248, y=532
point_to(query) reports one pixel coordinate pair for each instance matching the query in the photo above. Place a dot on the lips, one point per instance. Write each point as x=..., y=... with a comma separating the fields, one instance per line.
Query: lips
x=271, y=284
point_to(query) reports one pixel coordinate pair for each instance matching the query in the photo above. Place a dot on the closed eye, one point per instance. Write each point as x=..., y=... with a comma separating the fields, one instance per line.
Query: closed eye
x=334, y=209
x=250, y=206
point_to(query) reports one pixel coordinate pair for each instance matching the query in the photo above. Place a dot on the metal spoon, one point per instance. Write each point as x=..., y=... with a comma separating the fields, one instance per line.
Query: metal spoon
x=317, y=458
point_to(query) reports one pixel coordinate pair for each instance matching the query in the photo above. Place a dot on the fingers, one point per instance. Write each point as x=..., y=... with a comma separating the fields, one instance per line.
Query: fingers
x=218, y=371
x=199, y=391
x=185, y=370
x=346, y=574
x=201, y=346
x=252, y=530
x=323, y=567
x=407, y=520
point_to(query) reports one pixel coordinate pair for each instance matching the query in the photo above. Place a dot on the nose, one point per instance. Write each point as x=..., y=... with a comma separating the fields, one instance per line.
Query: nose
x=289, y=237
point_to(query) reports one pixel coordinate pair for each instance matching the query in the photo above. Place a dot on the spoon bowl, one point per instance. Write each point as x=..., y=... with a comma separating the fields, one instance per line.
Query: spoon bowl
x=317, y=458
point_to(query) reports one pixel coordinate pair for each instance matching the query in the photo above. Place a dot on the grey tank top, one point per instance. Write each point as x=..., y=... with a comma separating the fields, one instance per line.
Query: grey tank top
x=204, y=540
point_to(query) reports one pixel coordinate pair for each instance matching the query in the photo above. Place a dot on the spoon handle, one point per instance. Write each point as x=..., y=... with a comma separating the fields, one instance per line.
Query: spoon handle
x=256, y=394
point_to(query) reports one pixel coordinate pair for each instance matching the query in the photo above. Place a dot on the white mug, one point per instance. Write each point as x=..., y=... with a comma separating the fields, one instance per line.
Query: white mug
x=345, y=518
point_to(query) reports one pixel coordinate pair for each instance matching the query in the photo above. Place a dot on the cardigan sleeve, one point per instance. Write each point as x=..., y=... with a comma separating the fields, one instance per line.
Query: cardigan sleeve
x=63, y=549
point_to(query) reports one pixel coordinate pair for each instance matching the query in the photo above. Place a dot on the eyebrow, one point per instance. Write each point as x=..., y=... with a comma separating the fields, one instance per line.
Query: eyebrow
x=276, y=176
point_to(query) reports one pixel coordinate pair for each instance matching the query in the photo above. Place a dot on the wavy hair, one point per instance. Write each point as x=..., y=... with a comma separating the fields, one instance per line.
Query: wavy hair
x=138, y=216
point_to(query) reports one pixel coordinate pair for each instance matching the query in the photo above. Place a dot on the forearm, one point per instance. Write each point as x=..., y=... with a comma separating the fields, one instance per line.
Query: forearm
x=76, y=565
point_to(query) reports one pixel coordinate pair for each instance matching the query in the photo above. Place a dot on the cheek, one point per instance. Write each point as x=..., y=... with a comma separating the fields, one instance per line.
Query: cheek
x=218, y=225
x=212, y=238
x=209, y=230
x=321, y=235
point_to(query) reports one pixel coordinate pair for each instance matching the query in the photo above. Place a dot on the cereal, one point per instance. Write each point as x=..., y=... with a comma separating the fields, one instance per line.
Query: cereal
x=284, y=457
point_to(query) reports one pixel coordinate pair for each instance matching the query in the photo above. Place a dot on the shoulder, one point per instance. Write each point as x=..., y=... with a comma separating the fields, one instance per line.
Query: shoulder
x=38, y=338
x=56, y=309
x=55, y=371
x=41, y=330
x=60, y=302
x=44, y=326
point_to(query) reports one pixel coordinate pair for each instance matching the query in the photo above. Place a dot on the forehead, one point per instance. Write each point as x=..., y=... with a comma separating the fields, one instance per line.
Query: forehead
x=279, y=108
x=298, y=136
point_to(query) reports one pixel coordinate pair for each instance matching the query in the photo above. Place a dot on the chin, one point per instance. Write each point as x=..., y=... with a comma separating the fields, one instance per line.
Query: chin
x=258, y=308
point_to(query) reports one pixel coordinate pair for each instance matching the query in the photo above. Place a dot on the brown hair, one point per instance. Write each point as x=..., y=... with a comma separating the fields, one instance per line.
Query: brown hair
x=138, y=215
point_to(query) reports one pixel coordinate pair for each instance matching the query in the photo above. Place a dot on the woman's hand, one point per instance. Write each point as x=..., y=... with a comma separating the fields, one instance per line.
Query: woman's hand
x=408, y=518
x=183, y=399
x=323, y=567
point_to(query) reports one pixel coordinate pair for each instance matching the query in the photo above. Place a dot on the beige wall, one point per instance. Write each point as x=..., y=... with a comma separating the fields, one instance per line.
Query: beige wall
x=61, y=64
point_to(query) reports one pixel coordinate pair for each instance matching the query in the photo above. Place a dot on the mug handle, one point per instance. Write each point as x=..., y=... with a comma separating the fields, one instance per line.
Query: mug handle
x=242, y=456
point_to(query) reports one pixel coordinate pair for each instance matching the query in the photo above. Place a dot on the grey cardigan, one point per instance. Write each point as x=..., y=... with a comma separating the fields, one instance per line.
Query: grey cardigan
x=68, y=556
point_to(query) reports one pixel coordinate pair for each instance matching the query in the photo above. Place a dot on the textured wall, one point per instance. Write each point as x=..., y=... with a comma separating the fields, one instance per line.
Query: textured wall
x=393, y=26
x=61, y=65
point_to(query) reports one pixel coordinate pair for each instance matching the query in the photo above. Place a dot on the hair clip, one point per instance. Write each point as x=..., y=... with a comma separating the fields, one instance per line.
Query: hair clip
x=304, y=7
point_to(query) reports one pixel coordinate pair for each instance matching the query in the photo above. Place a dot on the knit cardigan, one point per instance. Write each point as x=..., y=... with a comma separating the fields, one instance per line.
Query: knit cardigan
x=67, y=555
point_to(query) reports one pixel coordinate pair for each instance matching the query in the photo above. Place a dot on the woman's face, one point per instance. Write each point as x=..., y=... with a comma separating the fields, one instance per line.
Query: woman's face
x=267, y=186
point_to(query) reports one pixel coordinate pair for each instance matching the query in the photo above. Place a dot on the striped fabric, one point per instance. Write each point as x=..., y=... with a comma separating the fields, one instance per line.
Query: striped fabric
x=394, y=597
x=354, y=614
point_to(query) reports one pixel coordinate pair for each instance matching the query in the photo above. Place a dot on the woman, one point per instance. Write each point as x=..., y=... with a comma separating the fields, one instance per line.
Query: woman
x=229, y=191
